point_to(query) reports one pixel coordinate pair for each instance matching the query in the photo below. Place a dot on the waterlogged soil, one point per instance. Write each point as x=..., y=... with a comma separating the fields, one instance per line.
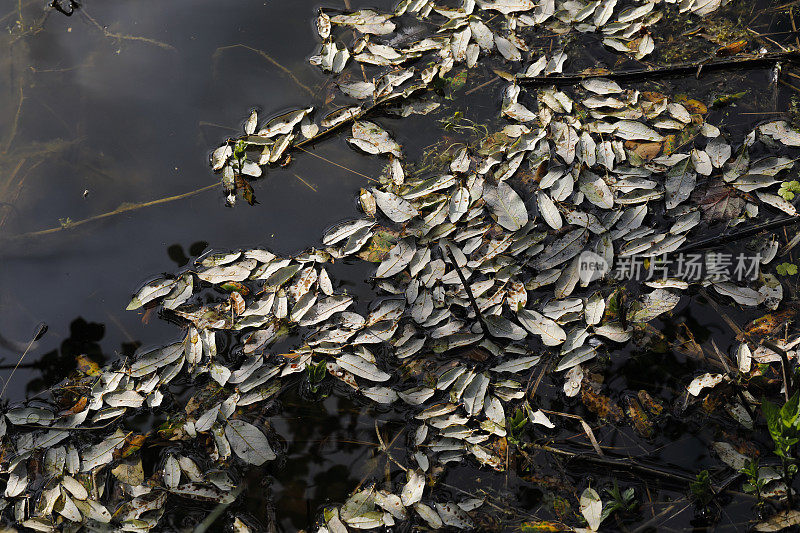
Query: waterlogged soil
x=120, y=104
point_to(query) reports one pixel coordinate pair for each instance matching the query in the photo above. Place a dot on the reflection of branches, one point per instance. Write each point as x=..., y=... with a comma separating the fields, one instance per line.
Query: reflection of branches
x=15, y=123
x=218, y=52
x=13, y=165
x=384, y=450
x=126, y=37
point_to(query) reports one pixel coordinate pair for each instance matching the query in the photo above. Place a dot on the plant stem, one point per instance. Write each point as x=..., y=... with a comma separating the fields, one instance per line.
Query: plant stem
x=469, y=292
x=787, y=480
x=683, y=69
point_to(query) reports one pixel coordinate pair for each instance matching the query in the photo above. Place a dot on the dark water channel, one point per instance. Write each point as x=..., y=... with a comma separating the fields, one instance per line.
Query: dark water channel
x=121, y=103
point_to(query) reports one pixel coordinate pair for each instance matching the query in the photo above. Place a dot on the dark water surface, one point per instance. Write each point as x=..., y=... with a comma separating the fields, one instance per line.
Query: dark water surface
x=132, y=121
x=90, y=120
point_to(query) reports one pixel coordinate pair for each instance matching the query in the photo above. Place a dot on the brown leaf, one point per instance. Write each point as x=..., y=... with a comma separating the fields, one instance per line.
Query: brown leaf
x=133, y=443
x=651, y=404
x=767, y=324
x=79, y=406
x=641, y=422
x=720, y=202
x=645, y=150
x=731, y=49
x=543, y=526
x=237, y=303
x=652, y=96
x=694, y=106
x=379, y=245
x=604, y=407
x=87, y=366
x=236, y=286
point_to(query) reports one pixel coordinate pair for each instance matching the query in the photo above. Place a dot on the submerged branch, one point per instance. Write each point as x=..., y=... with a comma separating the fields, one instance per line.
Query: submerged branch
x=683, y=69
x=212, y=517
x=269, y=58
x=739, y=235
x=629, y=464
x=124, y=208
x=125, y=37
x=15, y=124
x=467, y=288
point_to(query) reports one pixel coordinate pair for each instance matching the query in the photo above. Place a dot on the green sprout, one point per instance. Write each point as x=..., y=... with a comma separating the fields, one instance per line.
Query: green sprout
x=784, y=428
x=755, y=483
x=786, y=269
x=788, y=188
x=622, y=501
x=514, y=426
x=701, y=489
x=316, y=375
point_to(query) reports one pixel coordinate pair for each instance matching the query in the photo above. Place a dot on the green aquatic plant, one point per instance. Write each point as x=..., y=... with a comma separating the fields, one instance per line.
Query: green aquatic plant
x=786, y=269
x=755, y=482
x=788, y=189
x=621, y=501
x=784, y=427
x=515, y=425
x=315, y=374
x=701, y=488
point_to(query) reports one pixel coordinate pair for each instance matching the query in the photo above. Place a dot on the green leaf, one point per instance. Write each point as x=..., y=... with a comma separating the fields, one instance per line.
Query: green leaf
x=786, y=269
x=789, y=411
x=771, y=412
x=788, y=189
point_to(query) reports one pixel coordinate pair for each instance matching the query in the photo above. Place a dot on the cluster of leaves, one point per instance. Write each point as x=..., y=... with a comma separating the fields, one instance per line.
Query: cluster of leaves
x=784, y=428
x=463, y=261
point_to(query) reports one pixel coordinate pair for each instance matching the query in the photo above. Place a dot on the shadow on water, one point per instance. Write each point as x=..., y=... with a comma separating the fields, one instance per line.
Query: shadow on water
x=120, y=103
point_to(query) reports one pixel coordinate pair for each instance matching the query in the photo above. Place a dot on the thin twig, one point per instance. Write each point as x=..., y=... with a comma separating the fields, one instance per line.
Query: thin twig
x=15, y=124
x=41, y=329
x=482, y=85
x=121, y=36
x=336, y=164
x=385, y=450
x=794, y=27
x=787, y=84
x=657, y=518
x=212, y=517
x=739, y=235
x=587, y=429
x=126, y=208
x=469, y=292
x=304, y=182
x=684, y=69
x=625, y=464
x=9, y=203
x=269, y=58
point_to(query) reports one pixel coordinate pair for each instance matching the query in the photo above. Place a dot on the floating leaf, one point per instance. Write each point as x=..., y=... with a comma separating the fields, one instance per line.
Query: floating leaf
x=248, y=442
x=507, y=206
x=592, y=508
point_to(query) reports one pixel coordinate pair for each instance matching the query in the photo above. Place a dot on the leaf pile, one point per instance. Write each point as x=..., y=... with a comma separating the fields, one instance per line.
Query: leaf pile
x=617, y=172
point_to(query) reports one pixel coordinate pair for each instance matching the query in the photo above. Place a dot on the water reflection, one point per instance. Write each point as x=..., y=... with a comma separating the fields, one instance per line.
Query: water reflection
x=176, y=253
